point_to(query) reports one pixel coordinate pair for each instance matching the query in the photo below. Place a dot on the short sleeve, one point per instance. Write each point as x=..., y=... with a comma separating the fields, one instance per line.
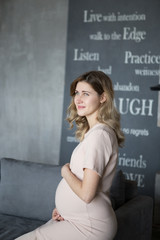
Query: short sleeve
x=98, y=150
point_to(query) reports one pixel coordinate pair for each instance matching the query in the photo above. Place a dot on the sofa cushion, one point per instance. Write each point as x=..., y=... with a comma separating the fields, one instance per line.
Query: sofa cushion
x=131, y=189
x=27, y=189
x=12, y=227
x=117, y=191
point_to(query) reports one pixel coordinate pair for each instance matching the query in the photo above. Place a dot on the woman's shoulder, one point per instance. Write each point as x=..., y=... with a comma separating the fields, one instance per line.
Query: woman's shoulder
x=100, y=130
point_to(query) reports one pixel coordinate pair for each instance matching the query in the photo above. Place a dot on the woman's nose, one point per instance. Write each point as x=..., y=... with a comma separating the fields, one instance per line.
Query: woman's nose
x=79, y=98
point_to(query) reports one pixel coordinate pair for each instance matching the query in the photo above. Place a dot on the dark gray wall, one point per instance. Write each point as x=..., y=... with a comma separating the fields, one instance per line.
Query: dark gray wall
x=32, y=65
x=122, y=39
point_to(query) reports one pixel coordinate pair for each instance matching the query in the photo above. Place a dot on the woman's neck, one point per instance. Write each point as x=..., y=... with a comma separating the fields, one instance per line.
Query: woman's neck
x=93, y=123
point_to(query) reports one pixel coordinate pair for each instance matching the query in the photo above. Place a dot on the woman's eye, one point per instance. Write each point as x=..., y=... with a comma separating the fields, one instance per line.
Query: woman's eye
x=76, y=93
x=86, y=94
x=83, y=94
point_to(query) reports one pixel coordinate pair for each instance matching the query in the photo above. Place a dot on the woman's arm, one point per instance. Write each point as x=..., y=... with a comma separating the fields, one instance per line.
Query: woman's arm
x=85, y=189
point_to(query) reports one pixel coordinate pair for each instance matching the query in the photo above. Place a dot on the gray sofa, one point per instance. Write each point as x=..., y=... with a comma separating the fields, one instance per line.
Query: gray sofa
x=27, y=192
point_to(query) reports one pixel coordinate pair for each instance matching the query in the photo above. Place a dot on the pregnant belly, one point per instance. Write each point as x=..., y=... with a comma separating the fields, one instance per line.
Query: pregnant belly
x=68, y=203
x=71, y=207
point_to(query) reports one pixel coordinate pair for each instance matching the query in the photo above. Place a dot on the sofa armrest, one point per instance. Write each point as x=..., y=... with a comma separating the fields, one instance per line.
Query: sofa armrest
x=137, y=214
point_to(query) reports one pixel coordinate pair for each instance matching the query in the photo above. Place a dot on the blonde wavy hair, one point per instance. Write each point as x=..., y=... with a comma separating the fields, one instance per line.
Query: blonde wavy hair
x=107, y=113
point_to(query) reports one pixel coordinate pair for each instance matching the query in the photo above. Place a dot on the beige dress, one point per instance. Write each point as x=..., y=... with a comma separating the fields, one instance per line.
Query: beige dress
x=96, y=220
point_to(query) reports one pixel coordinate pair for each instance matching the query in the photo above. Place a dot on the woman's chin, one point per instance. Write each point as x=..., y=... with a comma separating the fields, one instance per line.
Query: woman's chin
x=80, y=114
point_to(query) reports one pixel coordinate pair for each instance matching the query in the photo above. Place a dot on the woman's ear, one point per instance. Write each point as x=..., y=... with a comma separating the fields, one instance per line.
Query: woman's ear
x=103, y=97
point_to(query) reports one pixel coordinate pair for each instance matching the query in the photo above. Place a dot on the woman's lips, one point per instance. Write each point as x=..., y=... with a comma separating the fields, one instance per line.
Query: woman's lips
x=80, y=107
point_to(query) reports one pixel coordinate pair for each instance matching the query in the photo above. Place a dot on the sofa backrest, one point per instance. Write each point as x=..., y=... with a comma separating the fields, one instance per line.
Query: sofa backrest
x=122, y=190
x=27, y=189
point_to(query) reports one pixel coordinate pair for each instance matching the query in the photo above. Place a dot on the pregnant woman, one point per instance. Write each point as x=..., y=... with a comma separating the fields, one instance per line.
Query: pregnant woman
x=83, y=207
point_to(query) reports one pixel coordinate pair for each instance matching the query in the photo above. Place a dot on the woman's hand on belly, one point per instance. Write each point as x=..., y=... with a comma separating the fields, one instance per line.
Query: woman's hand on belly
x=65, y=169
x=87, y=187
x=56, y=216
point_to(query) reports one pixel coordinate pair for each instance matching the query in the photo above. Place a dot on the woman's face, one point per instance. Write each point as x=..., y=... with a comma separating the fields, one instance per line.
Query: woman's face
x=87, y=100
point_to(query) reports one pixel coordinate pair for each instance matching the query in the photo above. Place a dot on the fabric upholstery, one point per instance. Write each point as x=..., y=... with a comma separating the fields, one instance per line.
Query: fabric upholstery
x=131, y=189
x=135, y=219
x=117, y=191
x=12, y=227
x=27, y=193
x=27, y=189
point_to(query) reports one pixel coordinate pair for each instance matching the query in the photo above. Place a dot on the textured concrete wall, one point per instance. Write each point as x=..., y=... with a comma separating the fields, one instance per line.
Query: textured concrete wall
x=32, y=68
